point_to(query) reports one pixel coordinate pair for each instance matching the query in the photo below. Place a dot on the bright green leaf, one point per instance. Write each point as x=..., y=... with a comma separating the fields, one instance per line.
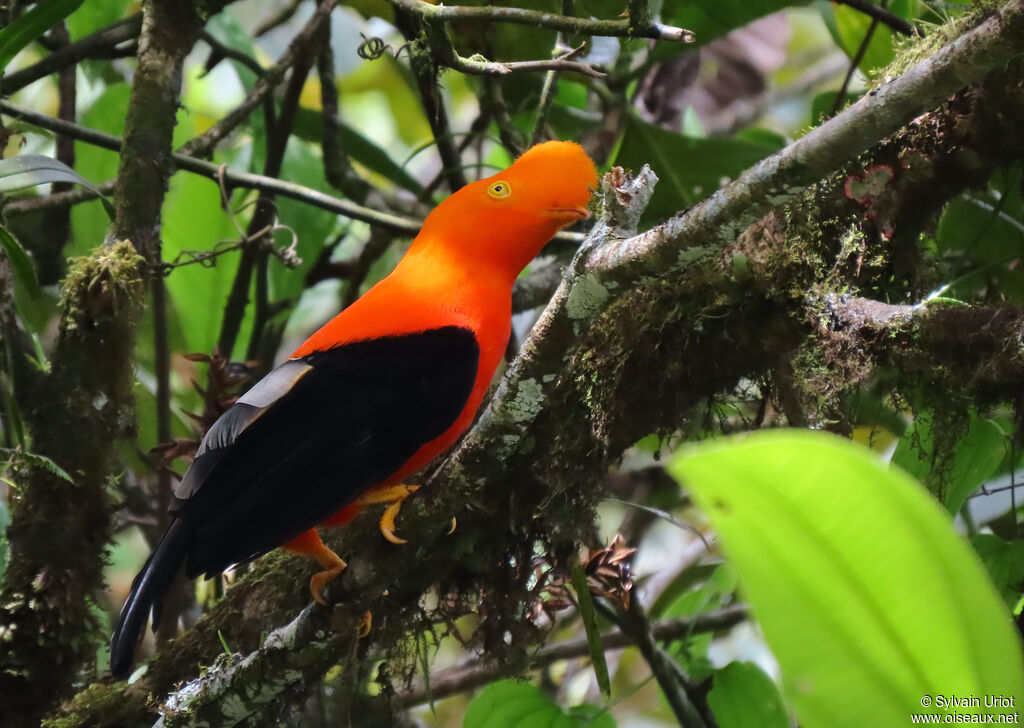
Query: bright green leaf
x=21, y=264
x=512, y=704
x=31, y=25
x=867, y=597
x=743, y=696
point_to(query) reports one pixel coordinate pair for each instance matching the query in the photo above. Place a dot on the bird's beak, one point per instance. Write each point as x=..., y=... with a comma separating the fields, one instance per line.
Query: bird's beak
x=569, y=214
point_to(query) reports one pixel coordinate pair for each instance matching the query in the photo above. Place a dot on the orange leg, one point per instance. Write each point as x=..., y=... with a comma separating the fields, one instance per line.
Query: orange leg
x=309, y=544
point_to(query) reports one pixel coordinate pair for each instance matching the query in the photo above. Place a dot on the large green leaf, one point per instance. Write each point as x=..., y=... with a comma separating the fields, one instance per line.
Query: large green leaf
x=29, y=170
x=512, y=704
x=743, y=696
x=689, y=169
x=977, y=455
x=31, y=25
x=868, y=598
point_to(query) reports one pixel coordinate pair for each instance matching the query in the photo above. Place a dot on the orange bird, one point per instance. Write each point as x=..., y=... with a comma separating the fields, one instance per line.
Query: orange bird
x=375, y=395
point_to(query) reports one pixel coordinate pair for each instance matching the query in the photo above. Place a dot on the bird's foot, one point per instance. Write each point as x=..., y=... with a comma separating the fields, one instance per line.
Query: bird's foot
x=320, y=580
x=394, y=496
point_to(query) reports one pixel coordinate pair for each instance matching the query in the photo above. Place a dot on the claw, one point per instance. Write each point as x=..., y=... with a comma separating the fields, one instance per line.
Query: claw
x=365, y=625
x=394, y=496
x=321, y=579
x=452, y=529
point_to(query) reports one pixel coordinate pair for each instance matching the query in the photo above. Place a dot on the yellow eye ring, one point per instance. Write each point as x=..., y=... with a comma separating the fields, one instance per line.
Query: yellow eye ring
x=499, y=189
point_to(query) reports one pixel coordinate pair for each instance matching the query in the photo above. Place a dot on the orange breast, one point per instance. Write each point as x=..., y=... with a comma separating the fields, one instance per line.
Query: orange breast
x=427, y=292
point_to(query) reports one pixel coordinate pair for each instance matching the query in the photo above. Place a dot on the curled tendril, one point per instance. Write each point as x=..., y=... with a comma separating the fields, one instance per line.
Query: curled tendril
x=372, y=48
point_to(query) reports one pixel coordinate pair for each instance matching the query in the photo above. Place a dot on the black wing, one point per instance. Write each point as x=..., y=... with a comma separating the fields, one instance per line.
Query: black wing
x=314, y=434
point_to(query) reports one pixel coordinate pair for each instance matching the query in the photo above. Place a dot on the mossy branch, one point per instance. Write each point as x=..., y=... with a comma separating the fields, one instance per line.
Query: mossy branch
x=59, y=529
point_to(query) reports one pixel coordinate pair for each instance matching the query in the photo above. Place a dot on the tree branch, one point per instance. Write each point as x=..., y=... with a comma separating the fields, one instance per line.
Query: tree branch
x=477, y=671
x=584, y=26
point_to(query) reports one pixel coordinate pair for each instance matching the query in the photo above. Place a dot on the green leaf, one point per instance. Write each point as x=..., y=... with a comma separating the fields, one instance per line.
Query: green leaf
x=710, y=19
x=688, y=169
x=850, y=26
x=360, y=148
x=31, y=25
x=867, y=597
x=1005, y=563
x=41, y=461
x=29, y=170
x=975, y=458
x=743, y=696
x=589, y=616
x=94, y=16
x=512, y=704
x=21, y=264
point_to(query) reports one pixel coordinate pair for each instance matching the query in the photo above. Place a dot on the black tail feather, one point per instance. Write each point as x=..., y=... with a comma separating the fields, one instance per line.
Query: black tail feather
x=148, y=591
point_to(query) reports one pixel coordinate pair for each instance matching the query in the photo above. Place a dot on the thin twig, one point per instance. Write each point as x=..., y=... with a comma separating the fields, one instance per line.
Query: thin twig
x=547, y=92
x=423, y=67
x=583, y=26
x=882, y=15
x=475, y=671
x=231, y=178
x=840, y=98
x=207, y=169
x=222, y=50
x=278, y=19
x=337, y=168
x=101, y=44
x=203, y=144
x=253, y=257
x=476, y=65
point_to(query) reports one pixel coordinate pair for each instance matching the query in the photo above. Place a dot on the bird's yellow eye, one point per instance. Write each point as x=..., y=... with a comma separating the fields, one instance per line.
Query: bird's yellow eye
x=499, y=190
